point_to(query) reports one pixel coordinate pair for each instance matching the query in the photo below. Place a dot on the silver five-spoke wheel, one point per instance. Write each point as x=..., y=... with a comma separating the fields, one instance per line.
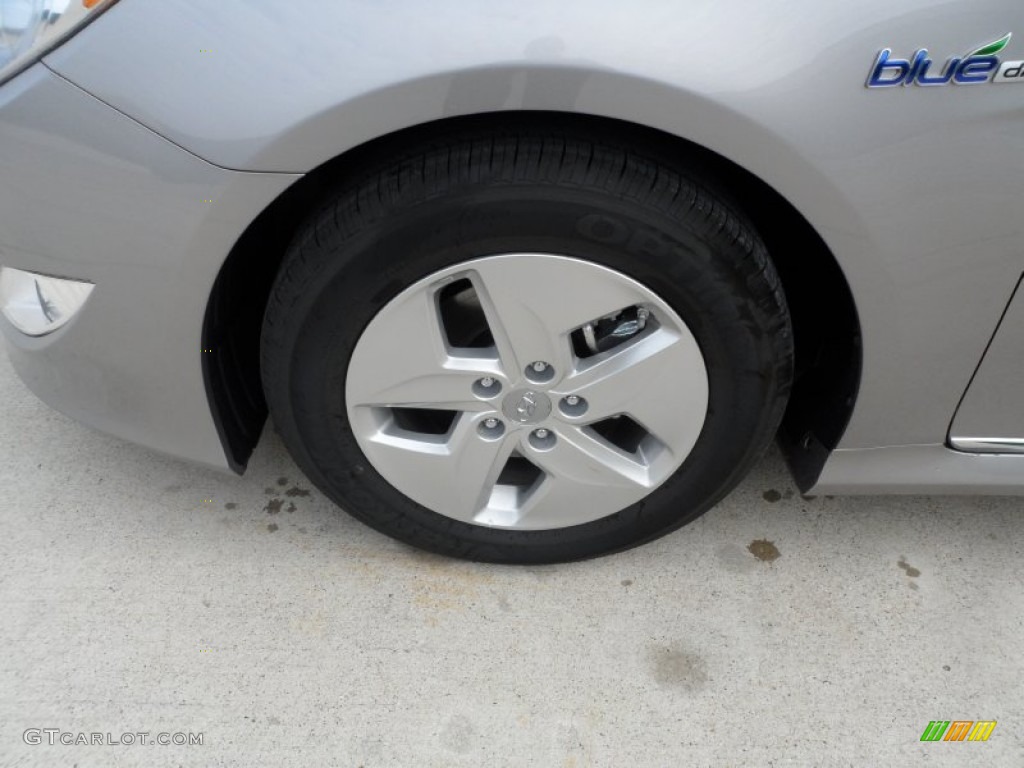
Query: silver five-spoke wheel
x=526, y=391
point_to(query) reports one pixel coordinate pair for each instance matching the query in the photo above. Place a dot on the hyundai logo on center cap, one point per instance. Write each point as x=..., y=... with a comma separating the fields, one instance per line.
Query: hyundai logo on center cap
x=527, y=406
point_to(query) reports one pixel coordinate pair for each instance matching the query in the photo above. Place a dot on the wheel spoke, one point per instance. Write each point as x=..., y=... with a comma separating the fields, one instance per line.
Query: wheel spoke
x=587, y=461
x=532, y=304
x=403, y=361
x=581, y=472
x=451, y=390
x=453, y=475
x=658, y=380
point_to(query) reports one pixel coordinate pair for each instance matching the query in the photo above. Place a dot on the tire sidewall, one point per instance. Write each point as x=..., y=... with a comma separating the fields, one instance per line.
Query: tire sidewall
x=696, y=270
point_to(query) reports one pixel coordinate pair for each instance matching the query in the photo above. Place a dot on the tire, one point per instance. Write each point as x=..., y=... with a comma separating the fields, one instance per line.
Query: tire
x=585, y=208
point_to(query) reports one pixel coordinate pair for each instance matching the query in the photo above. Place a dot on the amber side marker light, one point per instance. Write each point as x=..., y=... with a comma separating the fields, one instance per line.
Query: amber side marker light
x=38, y=304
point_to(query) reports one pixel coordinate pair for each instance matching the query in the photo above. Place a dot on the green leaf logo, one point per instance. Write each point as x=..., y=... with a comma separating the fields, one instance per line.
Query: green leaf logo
x=991, y=49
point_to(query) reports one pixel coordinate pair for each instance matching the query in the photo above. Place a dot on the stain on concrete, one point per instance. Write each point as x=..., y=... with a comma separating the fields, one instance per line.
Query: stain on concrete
x=913, y=585
x=764, y=550
x=771, y=495
x=908, y=569
x=273, y=506
x=291, y=507
x=272, y=527
x=231, y=505
x=457, y=734
x=313, y=624
x=206, y=602
x=269, y=491
x=946, y=667
x=575, y=742
x=440, y=586
x=627, y=582
x=296, y=491
x=678, y=667
x=282, y=481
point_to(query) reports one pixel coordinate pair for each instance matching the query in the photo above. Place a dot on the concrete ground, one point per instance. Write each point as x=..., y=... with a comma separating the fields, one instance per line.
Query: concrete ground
x=141, y=594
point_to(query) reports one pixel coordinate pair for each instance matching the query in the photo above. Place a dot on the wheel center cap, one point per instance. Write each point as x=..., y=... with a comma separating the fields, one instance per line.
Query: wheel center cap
x=526, y=406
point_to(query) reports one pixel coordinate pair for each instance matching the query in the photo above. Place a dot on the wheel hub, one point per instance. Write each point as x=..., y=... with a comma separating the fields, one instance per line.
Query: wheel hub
x=526, y=406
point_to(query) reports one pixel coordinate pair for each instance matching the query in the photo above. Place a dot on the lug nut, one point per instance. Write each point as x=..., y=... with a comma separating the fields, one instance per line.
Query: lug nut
x=573, y=406
x=486, y=387
x=542, y=439
x=490, y=428
x=540, y=372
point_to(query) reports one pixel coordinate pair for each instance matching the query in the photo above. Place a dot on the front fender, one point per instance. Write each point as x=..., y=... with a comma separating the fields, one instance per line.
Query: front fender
x=900, y=183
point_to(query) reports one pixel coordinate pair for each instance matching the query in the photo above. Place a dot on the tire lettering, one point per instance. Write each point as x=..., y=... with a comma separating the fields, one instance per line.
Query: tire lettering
x=646, y=242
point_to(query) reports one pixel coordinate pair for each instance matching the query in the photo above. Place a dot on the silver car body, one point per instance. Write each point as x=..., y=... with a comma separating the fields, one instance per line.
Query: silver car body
x=137, y=154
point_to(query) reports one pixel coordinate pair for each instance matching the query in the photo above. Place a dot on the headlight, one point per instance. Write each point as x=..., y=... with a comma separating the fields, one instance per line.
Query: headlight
x=29, y=28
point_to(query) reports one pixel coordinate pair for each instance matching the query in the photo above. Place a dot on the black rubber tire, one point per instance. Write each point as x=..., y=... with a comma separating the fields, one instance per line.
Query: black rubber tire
x=572, y=192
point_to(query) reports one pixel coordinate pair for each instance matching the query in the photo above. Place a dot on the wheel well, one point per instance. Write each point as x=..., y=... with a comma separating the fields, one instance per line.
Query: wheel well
x=825, y=322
